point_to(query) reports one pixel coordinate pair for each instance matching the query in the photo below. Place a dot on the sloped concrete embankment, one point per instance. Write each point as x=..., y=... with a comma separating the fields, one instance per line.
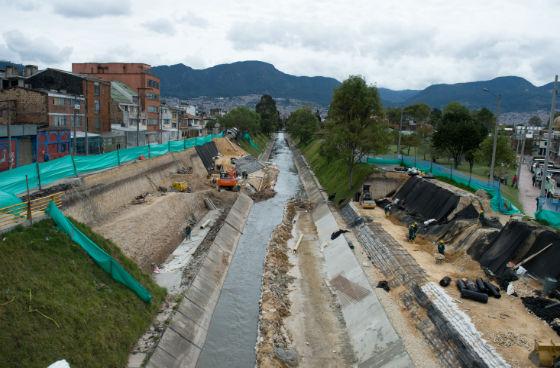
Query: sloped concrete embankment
x=95, y=198
x=375, y=342
x=449, y=331
x=181, y=343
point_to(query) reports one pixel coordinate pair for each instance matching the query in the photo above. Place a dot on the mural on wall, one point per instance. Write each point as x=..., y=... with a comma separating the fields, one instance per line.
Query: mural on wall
x=7, y=156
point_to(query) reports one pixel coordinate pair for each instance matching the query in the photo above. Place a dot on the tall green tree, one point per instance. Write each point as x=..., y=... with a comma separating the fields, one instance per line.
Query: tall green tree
x=505, y=155
x=355, y=125
x=418, y=112
x=242, y=118
x=270, y=117
x=435, y=116
x=458, y=132
x=485, y=117
x=302, y=124
x=535, y=121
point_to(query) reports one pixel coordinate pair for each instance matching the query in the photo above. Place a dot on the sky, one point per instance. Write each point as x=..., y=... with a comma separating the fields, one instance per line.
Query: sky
x=405, y=44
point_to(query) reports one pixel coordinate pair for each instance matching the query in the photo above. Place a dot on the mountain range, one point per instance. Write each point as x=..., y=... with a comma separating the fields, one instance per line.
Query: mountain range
x=256, y=77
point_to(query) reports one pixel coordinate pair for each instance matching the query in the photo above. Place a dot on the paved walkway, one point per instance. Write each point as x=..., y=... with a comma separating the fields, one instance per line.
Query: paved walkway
x=527, y=192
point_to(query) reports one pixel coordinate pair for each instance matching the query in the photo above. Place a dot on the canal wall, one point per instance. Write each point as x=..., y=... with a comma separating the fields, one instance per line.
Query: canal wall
x=373, y=338
x=182, y=342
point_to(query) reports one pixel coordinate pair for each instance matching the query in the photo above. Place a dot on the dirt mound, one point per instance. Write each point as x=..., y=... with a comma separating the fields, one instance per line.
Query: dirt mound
x=228, y=148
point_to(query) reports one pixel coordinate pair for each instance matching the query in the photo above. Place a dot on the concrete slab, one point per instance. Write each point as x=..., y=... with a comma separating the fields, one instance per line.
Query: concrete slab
x=179, y=347
x=194, y=312
x=161, y=359
x=188, y=330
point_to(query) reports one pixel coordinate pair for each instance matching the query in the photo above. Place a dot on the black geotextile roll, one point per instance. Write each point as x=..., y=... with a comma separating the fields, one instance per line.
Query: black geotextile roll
x=539, y=306
x=460, y=284
x=505, y=246
x=481, y=287
x=492, y=290
x=426, y=199
x=207, y=152
x=471, y=285
x=445, y=281
x=474, y=295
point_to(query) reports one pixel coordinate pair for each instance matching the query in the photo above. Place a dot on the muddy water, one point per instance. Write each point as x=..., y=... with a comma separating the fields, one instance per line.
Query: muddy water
x=233, y=331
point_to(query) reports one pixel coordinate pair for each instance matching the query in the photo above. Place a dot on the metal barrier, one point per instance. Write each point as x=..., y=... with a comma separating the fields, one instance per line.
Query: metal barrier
x=23, y=212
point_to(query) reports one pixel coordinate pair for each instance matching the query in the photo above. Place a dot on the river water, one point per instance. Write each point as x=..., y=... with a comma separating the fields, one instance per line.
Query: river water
x=232, y=334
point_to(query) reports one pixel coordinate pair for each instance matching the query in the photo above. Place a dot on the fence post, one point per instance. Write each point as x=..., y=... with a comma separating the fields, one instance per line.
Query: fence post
x=38, y=174
x=169, y=146
x=29, y=216
x=184, y=144
x=149, y=152
x=118, y=157
x=74, y=165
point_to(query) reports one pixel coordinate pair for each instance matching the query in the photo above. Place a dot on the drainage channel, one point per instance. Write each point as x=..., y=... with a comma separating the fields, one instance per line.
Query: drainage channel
x=232, y=334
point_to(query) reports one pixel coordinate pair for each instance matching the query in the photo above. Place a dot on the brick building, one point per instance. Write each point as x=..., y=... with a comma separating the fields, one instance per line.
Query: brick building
x=135, y=75
x=65, y=89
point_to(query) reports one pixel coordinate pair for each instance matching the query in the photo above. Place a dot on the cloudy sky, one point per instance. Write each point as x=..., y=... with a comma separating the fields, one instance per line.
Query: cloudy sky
x=393, y=43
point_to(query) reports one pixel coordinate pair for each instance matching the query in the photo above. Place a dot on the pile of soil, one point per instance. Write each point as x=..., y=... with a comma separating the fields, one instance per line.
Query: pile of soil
x=228, y=148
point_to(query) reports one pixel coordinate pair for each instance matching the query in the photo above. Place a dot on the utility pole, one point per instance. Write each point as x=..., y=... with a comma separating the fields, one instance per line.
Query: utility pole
x=74, y=145
x=400, y=130
x=524, y=132
x=549, y=139
x=86, y=119
x=138, y=116
x=498, y=100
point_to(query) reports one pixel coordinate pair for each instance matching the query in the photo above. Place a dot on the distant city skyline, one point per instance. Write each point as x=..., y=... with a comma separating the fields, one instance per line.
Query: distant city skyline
x=397, y=45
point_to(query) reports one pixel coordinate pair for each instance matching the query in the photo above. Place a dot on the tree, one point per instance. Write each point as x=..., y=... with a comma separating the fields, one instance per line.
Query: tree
x=535, y=121
x=485, y=117
x=354, y=125
x=410, y=140
x=505, y=156
x=302, y=124
x=244, y=119
x=435, y=116
x=418, y=112
x=270, y=117
x=393, y=114
x=458, y=132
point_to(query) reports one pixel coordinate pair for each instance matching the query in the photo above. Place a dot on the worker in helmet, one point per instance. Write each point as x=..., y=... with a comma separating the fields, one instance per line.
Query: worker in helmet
x=412, y=229
x=441, y=247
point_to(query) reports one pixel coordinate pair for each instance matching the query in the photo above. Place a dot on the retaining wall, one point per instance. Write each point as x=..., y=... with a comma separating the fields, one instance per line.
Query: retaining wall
x=375, y=342
x=182, y=342
x=94, y=198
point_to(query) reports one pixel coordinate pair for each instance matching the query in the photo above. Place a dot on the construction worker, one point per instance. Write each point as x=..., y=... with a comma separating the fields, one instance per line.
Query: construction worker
x=412, y=229
x=441, y=247
x=188, y=231
x=387, y=209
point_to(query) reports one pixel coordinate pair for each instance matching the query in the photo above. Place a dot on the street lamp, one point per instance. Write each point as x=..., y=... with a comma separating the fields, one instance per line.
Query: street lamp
x=498, y=100
x=549, y=138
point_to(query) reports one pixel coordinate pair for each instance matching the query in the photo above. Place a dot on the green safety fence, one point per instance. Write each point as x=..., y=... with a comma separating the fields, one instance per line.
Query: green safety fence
x=99, y=256
x=248, y=138
x=497, y=202
x=548, y=217
x=40, y=174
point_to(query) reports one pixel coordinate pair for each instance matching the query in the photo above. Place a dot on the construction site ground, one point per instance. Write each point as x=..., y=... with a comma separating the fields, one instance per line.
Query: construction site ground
x=504, y=322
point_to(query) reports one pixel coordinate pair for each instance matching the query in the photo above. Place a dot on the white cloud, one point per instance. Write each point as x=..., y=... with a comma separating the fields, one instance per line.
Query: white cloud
x=91, y=8
x=161, y=26
x=398, y=44
x=38, y=50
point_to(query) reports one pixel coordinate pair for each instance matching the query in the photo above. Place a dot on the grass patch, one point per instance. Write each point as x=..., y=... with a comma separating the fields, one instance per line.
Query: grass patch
x=333, y=175
x=454, y=183
x=99, y=320
x=260, y=140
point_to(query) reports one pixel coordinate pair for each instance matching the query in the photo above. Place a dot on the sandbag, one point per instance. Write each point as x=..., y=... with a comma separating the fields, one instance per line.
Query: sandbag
x=474, y=295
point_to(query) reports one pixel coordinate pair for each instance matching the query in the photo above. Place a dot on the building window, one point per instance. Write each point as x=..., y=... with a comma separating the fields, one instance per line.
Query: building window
x=152, y=83
x=58, y=101
x=96, y=89
x=152, y=109
x=152, y=96
x=152, y=122
x=59, y=120
x=97, y=106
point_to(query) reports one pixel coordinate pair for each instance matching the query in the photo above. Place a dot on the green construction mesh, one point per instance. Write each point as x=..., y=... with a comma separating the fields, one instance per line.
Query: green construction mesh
x=548, y=217
x=498, y=202
x=13, y=181
x=99, y=256
x=248, y=138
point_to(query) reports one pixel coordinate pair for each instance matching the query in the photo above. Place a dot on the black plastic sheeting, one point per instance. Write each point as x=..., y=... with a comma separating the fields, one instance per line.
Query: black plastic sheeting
x=207, y=152
x=504, y=247
x=467, y=213
x=519, y=240
x=425, y=199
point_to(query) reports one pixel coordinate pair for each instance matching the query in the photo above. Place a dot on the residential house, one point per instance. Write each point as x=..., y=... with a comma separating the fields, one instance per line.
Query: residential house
x=135, y=75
